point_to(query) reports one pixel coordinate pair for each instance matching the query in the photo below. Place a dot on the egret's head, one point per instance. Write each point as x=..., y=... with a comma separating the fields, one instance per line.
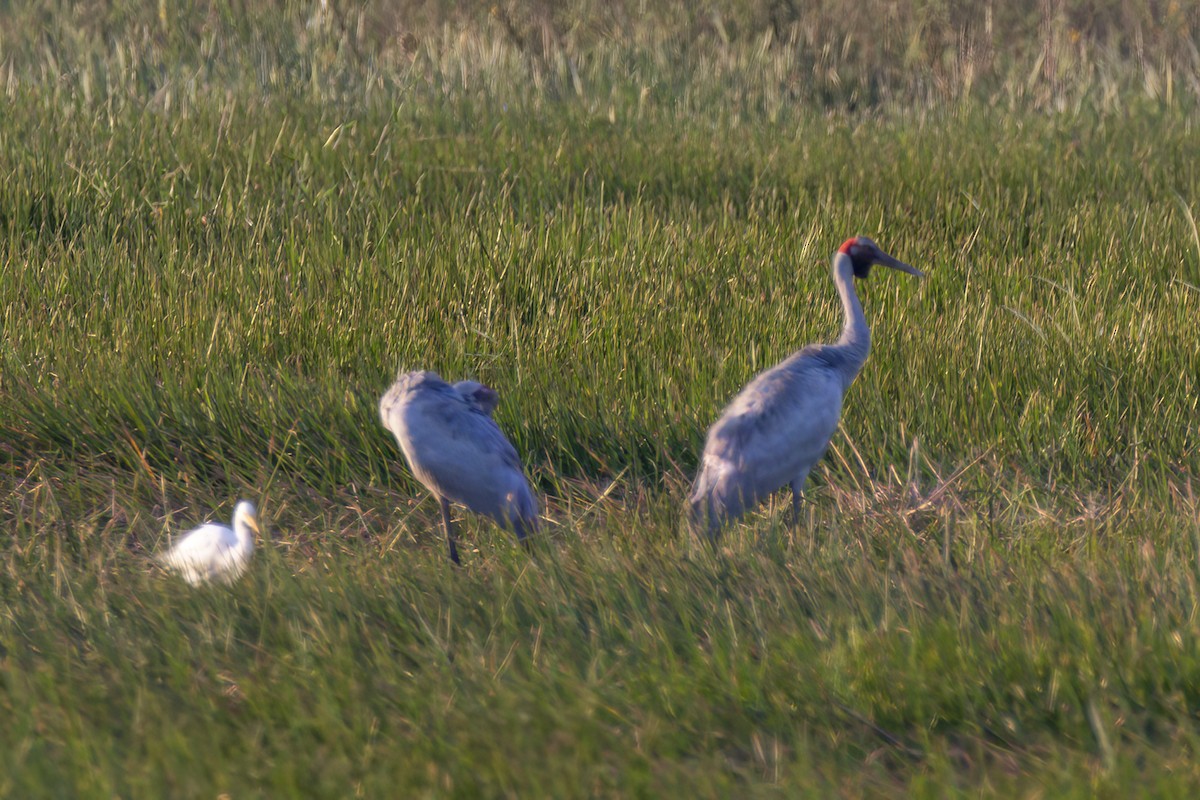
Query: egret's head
x=863, y=253
x=244, y=513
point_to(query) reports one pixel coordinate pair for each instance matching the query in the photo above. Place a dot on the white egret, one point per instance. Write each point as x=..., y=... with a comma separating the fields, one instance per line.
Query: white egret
x=215, y=552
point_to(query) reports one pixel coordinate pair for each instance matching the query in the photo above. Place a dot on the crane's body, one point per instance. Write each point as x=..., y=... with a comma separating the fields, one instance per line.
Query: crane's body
x=215, y=552
x=777, y=428
x=457, y=451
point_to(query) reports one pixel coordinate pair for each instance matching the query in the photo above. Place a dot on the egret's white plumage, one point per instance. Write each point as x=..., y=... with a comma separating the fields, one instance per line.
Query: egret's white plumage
x=457, y=451
x=779, y=426
x=214, y=551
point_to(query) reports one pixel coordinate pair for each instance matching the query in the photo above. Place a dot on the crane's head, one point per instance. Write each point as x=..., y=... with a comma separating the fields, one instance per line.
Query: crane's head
x=863, y=253
x=484, y=398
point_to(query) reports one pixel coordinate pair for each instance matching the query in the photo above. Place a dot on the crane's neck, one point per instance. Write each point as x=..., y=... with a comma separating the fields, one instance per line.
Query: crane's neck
x=855, y=341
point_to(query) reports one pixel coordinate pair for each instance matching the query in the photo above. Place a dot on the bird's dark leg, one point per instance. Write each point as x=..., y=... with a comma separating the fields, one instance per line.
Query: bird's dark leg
x=449, y=530
x=797, y=498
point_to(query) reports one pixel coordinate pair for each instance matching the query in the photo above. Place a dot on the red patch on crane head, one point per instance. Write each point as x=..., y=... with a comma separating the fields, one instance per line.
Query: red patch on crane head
x=846, y=245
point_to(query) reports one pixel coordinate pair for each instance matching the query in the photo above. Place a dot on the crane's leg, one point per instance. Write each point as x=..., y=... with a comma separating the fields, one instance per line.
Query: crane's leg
x=798, y=497
x=449, y=530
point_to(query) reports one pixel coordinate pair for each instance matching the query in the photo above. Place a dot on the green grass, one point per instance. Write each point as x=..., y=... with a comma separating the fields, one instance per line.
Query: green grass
x=219, y=242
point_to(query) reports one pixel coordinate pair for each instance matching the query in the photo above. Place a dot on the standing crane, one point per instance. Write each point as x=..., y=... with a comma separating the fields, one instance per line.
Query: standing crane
x=779, y=426
x=457, y=451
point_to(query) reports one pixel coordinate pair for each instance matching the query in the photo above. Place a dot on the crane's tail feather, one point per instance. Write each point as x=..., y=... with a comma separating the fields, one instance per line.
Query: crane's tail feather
x=521, y=513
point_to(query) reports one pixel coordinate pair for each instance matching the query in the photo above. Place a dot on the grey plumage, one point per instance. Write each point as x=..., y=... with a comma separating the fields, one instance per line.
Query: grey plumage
x=482, y=397
x=457, y=451
x=779, y=426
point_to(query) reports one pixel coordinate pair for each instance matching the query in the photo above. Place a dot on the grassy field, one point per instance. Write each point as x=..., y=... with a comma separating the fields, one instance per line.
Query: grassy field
x=220, y=240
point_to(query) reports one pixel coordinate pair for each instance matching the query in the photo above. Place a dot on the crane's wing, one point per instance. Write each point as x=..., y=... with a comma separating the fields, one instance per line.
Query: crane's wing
x=422, y=410
x=778, y=427
x=453, y=447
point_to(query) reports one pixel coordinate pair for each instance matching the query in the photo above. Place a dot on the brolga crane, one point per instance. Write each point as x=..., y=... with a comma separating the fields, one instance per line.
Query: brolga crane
x=458, y=452
x=779, y=426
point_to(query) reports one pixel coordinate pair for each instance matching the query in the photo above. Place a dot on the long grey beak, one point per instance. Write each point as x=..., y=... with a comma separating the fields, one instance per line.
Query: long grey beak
x=888, y=261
